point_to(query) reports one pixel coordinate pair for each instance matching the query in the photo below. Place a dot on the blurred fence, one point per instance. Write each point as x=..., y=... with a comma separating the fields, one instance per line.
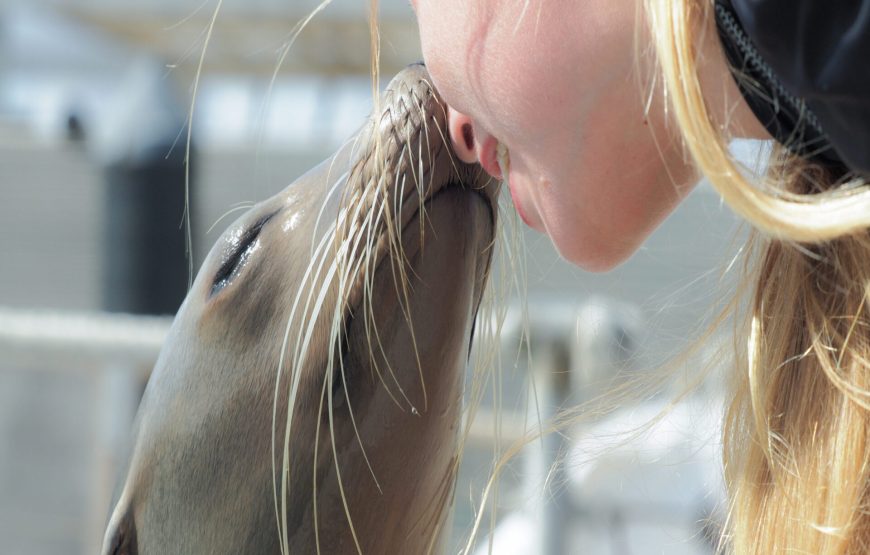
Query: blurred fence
x=115, y=354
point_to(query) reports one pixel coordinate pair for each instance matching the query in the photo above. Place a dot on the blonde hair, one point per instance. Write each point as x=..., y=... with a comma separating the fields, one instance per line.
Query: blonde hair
x=797, y=432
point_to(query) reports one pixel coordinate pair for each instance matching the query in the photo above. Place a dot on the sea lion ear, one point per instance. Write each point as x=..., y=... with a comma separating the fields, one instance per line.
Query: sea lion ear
x=121, y=539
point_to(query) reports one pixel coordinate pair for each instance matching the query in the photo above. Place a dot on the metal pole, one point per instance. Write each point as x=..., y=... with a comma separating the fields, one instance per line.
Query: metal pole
x=550, y=371
x=549, y=325
x=574, y=352
x=143, y=152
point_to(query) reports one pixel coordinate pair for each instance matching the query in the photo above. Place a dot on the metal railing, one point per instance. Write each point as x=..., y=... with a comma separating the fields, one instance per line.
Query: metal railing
x=79, y=340
x=570, y=347
x=119, y=350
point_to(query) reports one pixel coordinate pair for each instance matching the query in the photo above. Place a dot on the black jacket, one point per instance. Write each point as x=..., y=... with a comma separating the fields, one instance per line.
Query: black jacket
x=819, y=51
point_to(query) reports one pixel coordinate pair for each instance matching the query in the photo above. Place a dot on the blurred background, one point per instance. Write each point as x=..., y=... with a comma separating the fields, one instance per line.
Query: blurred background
x=94, y=102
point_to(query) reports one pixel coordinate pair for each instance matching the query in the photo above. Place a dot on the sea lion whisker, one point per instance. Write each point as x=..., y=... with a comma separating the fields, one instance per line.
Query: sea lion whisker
x=368, y=260
x=424, y=186
x=398, y=207
x=418, y=178
x=326, y=384
x=370, y=220
x=335, y=458
x=421, y=211
x=371, y=331
x=245, y=205
x=368, y=309
x=405, y=308
x=318, y=254
x=337, y=330
x=399, y=199
x=283, y=52
x=370, y=326
x=396, y=250
x=354, y=425
x=399, y=203
x=188, y=227
x=444, y=136
x=314, y=467
x=373, y=245
x=333, y=188
x=373, y=220
x=300, y=356
x=401, y=259
x=295, y=31
x=393, y=225
x=291, y=402
x=421, y=173
x=392, y=230
x=346, y=199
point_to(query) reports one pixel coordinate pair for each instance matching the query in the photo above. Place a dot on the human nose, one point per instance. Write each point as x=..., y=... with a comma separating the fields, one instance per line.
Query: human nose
x=471, y=143
x=462, y=135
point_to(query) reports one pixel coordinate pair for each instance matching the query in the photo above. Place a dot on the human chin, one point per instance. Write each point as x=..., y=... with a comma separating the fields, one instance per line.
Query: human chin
x=592, y=246
x=592, y=256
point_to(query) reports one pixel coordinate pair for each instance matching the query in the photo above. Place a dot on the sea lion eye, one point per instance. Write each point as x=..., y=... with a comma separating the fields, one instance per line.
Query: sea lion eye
x=244, y=243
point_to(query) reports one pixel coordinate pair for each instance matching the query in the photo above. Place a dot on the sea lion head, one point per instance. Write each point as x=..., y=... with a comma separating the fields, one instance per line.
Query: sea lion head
x=308, y=396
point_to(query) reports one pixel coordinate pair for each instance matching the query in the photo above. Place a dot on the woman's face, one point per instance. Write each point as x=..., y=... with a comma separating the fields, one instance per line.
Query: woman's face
x=558, y=82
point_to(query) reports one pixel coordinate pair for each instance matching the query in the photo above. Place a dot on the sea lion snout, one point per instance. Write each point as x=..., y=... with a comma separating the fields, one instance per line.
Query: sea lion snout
x=309, y=393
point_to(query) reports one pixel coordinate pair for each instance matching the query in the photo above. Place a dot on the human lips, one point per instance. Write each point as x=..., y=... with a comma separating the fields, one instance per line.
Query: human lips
x=488, y=157
x=518, y=204
x=518, y=185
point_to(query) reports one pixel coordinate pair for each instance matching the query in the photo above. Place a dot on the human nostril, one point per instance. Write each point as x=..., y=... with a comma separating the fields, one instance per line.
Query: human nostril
x=468, y=136
x=462, y=136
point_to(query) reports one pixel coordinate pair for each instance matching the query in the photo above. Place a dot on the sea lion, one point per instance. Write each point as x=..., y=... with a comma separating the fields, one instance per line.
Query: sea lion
x=350, y=297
